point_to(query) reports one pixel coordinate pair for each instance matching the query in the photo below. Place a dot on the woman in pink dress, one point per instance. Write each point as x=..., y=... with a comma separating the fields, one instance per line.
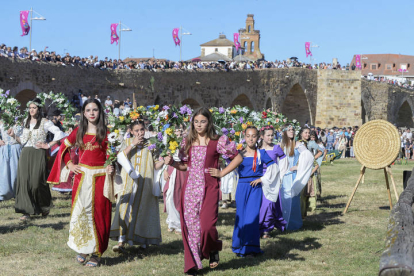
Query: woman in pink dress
x=200, y=153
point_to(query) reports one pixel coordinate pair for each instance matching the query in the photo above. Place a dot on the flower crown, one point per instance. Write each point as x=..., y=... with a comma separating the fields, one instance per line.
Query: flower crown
x=33, y=102
x=266, y=128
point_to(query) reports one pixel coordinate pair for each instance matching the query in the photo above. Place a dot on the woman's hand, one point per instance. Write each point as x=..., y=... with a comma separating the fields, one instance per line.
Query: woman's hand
x=166, y=175
x=42, y=145
x=168, y=160
x=74, y=168
x=2, y=143
x=215, y=172
x=294, y=168
x=255, y=182
x=138, y=140
x=110, y=169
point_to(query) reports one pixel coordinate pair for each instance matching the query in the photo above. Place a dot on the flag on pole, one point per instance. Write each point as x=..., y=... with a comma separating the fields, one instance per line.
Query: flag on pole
x=114, y=35
x=24, y=23
x=358, y=61
x=307, y=48
x=175, y=36
x=236, y=41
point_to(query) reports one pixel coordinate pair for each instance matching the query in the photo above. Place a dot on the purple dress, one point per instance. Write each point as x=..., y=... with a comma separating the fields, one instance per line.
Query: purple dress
x=271, y=212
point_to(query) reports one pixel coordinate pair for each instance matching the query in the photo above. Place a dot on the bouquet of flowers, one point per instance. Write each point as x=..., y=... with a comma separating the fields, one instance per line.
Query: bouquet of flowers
x=9, y=110
x=114, y=145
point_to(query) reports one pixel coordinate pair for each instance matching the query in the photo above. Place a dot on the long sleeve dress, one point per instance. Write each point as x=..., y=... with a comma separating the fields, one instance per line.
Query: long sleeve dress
x=271, y=212
x=9, y=159
x=92, y=193
x=246, y=234
x=199, y=201
x=33, y=195
x=137, y=216
x=292, y=184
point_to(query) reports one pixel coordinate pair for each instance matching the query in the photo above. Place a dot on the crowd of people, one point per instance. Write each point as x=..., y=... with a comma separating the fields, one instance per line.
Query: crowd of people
x=271, y=178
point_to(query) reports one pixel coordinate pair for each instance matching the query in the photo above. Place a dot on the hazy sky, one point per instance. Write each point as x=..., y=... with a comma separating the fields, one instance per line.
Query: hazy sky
x=340, y=28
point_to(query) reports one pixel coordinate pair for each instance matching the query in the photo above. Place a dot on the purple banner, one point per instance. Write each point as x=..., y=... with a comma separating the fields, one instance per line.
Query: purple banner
x=358, y=61
x=307, y=49
x=114, y=35
x=176, y=39
x=236, y=41
x=24, y=22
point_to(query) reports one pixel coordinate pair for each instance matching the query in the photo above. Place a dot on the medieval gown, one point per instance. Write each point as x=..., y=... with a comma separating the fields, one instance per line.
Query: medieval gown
x=172, y=196
x=137, y=218
x=199, y=202
x=92, y=193
x=271, y=212
x=293, y=183
x=246, y=234
x=9, y=159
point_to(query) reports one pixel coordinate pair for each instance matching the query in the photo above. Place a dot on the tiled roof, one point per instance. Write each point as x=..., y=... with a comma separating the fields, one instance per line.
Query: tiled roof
x=394, y=62
x=221, y=41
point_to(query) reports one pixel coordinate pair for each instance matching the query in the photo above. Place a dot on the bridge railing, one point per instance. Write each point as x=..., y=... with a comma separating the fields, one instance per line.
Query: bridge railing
x=398, y=256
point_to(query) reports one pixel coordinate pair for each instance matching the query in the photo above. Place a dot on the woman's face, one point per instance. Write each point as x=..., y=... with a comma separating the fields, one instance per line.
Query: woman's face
x=200, y=124
x=138, y=131
x=178, y=132
x=268, y=136
x=290, y=132
x=312, y=138
x=305, y=134
x=251, y=137
x=91, y=112
x=33, y=109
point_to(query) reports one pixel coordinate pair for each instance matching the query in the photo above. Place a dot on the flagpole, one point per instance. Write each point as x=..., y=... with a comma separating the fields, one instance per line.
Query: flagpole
x=31, y=29
x=181, y=40
x=119, y=43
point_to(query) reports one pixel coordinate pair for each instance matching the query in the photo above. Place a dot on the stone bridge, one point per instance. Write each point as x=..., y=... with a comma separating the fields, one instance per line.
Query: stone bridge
x=324, y=98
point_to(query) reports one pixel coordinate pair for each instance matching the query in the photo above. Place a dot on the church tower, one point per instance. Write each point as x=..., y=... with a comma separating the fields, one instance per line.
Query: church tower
x=250, y=40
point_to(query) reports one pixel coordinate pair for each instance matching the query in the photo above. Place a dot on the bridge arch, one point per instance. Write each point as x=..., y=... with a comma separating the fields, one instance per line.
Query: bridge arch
x=296, y=105
x=192, y=103
x=242, y=100
x=404, y=116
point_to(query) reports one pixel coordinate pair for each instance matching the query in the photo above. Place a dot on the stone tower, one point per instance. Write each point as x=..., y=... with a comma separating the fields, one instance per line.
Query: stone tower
x=250, y=40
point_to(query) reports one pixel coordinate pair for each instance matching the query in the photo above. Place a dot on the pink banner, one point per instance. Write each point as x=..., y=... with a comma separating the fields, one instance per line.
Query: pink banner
x=114, y=35
x=358, y=61
x=24, y=22
x=175, y=33
x=307, y=48
x=236, y=41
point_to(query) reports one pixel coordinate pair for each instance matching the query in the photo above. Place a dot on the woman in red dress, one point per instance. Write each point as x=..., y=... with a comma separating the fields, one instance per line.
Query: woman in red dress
x=92, y=188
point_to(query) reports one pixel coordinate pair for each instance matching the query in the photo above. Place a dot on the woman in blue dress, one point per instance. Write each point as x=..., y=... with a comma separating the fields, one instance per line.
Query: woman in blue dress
x=10, y=151
x=246, y=235
x=295, y=179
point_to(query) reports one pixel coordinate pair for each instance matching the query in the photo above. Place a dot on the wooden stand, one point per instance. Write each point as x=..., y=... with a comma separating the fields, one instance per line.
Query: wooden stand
x=387, y=170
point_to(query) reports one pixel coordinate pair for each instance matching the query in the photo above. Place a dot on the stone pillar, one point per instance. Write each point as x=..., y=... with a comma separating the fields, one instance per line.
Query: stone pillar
x=338, y=98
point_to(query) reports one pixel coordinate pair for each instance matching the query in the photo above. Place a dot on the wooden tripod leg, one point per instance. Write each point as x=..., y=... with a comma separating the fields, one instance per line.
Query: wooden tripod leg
x=356, y=187
x=388, y=187
x=363, y=179
x=393, y=183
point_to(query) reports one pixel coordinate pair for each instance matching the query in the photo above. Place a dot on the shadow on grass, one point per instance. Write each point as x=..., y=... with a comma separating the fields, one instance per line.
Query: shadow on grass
x=135, y=252
x=23, y=226
x=280, y=249
x=226, y=219
x=384, y=207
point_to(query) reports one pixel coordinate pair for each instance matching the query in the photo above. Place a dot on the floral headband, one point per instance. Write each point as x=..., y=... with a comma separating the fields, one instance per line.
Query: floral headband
x=35, y=103
x=289, y=126
x=266, y=128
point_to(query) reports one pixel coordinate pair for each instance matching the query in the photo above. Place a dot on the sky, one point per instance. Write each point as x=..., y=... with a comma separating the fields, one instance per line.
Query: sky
x=340, y=28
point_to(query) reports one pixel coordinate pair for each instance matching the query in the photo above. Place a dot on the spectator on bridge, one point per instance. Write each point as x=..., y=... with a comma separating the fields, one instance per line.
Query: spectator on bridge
x=128, y=103
x=108, y=101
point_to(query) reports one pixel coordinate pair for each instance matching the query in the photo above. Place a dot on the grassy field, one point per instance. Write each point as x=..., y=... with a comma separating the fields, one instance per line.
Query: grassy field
x=328, y=244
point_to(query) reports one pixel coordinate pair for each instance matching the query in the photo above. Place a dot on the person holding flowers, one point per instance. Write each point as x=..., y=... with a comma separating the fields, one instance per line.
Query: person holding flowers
x=136, y=219
x=271, y=212
x=33, y=195
x=92, y=194
x=200, y=152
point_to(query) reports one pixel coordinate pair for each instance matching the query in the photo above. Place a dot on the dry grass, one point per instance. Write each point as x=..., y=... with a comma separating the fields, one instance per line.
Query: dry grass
x=328, y=244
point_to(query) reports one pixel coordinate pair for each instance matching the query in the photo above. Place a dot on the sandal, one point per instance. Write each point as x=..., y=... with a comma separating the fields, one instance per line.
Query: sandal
x=94, y=261
x=81, y=258
x=214, y=259
x=120, y=248
x=265, y=235
x=45, y=214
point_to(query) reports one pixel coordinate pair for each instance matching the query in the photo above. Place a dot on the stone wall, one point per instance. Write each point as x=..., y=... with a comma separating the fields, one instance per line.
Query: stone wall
x=339, y=98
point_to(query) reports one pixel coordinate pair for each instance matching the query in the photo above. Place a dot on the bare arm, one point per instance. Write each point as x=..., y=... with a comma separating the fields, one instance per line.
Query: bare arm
x=159, y=164
x=230, y=167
